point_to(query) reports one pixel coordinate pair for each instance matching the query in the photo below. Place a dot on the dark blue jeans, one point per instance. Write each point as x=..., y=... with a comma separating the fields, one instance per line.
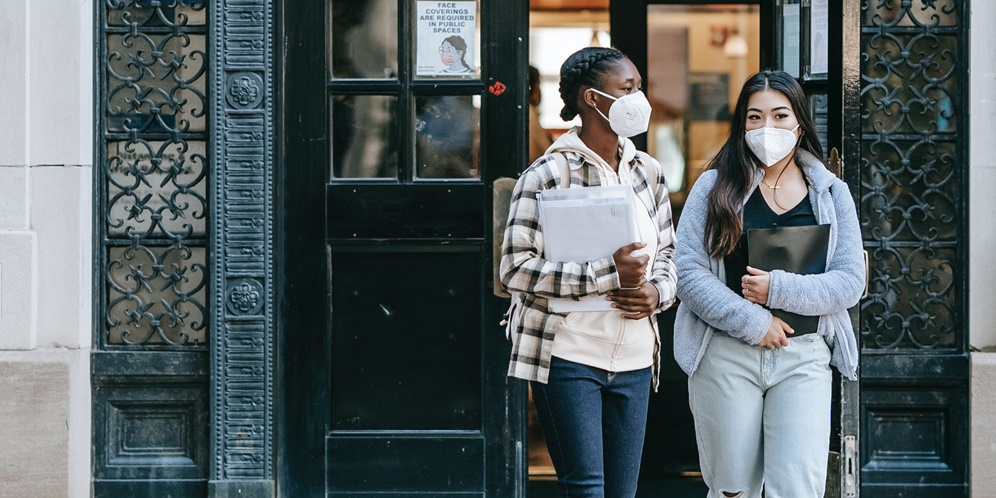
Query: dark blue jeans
x=594, y=424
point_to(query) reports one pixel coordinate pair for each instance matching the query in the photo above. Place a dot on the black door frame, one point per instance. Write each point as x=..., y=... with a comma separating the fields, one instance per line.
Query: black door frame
x=304, y=242
x=302, y=412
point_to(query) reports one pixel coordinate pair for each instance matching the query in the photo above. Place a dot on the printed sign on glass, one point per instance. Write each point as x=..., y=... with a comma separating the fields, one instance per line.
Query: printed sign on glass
x=818, y=46
x=790, y=39
x=445, y=43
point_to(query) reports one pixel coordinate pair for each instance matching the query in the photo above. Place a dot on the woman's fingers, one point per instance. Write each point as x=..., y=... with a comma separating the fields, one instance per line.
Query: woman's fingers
x=633, y=307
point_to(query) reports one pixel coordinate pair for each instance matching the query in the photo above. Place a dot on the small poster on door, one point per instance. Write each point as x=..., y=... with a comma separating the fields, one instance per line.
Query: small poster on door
x=818, y=46
x=445, y=38
x=790, y=39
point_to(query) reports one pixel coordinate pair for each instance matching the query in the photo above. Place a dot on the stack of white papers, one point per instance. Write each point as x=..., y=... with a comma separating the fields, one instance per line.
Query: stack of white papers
x=585, y=224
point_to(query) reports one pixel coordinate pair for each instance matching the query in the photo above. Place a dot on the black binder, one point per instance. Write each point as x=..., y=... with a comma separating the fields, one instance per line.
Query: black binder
x=796, y=249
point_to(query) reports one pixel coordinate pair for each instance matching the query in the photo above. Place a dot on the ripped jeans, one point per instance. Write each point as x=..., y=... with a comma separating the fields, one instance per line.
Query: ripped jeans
x=762, y=418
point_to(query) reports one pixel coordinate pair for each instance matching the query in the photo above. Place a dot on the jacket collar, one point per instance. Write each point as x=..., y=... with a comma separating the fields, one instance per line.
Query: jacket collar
x=570, y=142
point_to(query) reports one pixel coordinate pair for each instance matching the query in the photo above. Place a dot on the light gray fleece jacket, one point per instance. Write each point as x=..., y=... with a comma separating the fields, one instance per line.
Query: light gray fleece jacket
x=707, y=304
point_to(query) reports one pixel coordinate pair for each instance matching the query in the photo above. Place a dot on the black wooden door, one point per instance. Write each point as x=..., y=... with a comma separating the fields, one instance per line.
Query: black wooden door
x=392, y=362
x=913, y=133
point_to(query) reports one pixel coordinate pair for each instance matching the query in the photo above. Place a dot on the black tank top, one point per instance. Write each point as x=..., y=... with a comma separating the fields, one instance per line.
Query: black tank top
x=757, y=214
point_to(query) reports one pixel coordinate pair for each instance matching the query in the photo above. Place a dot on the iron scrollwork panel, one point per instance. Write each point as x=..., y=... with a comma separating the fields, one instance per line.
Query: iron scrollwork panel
x=911, y=180
x=152, y=211
x=153, y=170
x=158, y=296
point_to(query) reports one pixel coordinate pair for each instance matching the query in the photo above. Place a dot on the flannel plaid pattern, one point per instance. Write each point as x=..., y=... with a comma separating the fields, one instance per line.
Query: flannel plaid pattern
x=524, y=271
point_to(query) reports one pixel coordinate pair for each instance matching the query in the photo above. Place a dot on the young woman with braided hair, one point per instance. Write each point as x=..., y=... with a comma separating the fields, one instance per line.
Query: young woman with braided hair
x=591, y=372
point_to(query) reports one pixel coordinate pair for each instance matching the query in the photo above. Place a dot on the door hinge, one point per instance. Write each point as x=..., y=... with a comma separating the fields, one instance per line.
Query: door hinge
x=868, y=275
x=836, y=163
x=850, y=464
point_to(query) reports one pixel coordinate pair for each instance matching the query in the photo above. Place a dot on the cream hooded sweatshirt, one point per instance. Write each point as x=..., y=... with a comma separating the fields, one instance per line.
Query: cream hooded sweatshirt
x=604, y=339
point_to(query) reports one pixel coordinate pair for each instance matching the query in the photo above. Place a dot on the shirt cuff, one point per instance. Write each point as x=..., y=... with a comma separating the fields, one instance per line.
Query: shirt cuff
x=607, y=280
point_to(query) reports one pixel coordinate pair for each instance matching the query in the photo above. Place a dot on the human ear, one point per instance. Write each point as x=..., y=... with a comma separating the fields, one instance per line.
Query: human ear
x=589, y=98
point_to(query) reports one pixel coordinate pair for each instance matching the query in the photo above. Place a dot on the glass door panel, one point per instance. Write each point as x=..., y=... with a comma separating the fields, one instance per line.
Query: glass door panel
x=393, y=370
x=364, y=136
x=363, y=39
x=448, y=136
x=698, y=57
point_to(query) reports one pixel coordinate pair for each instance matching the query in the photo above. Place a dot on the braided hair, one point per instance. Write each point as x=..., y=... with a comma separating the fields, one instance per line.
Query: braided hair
x=584, y=67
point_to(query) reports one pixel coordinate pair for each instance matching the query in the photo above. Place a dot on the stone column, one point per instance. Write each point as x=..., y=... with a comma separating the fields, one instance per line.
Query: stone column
x=45, y=246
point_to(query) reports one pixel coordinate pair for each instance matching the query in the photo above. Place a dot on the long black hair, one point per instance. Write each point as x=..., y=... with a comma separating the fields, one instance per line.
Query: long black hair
x=736, y=165
x=584, y=67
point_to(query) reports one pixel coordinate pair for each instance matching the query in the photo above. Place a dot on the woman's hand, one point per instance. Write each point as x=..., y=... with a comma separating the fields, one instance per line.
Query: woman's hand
x=756, y=284
x=775, y=337
x=637, y=303
x=632, y=269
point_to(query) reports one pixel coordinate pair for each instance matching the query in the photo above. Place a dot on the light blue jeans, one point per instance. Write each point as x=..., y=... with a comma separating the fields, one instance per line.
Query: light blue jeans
x=762, y=418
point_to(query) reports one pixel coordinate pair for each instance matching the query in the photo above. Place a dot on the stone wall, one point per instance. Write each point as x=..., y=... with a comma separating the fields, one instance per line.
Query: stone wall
x=45, y=246
x=982, y=258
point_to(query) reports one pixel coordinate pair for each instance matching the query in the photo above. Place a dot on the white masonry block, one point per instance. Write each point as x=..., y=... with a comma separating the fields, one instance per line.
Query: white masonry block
x=18, y=308
x=14, y=75
x=55, y=73
x=13, y=197
x=983, y=429
x=36, y=419
x=63, y=231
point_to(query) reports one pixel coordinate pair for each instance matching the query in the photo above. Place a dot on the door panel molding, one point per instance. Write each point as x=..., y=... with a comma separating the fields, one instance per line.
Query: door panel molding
x=370, y=464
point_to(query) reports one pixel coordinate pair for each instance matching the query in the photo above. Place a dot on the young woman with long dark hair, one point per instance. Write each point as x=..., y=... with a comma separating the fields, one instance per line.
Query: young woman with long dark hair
x=759, y=390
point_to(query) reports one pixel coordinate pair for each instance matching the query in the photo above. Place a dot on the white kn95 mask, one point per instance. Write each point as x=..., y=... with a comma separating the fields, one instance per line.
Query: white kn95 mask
x=771, y=145
x=629, y=115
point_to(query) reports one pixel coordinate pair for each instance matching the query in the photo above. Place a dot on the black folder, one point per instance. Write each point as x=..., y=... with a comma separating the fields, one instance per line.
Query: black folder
x=795, y=249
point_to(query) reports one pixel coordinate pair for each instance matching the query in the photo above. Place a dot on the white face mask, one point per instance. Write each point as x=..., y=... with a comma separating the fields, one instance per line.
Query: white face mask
x=629, y=115
x=771, y=145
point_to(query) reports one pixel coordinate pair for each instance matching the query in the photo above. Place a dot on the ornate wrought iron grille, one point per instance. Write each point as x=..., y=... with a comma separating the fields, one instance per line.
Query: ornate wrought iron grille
x=912, y=173
x=152, y=174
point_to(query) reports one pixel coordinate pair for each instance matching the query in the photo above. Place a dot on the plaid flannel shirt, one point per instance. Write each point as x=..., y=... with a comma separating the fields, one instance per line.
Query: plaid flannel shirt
x=524, y=271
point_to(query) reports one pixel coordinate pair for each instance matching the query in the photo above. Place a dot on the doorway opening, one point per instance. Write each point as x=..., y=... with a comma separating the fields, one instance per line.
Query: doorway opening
x=698, y=57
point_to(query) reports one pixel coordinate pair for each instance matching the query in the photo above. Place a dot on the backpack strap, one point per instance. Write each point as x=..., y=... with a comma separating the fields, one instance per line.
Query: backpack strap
x=565, y=169
x=651, y=166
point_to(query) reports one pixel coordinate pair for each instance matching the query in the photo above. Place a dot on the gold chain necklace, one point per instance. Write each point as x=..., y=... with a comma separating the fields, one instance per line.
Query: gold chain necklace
x=776, y=186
